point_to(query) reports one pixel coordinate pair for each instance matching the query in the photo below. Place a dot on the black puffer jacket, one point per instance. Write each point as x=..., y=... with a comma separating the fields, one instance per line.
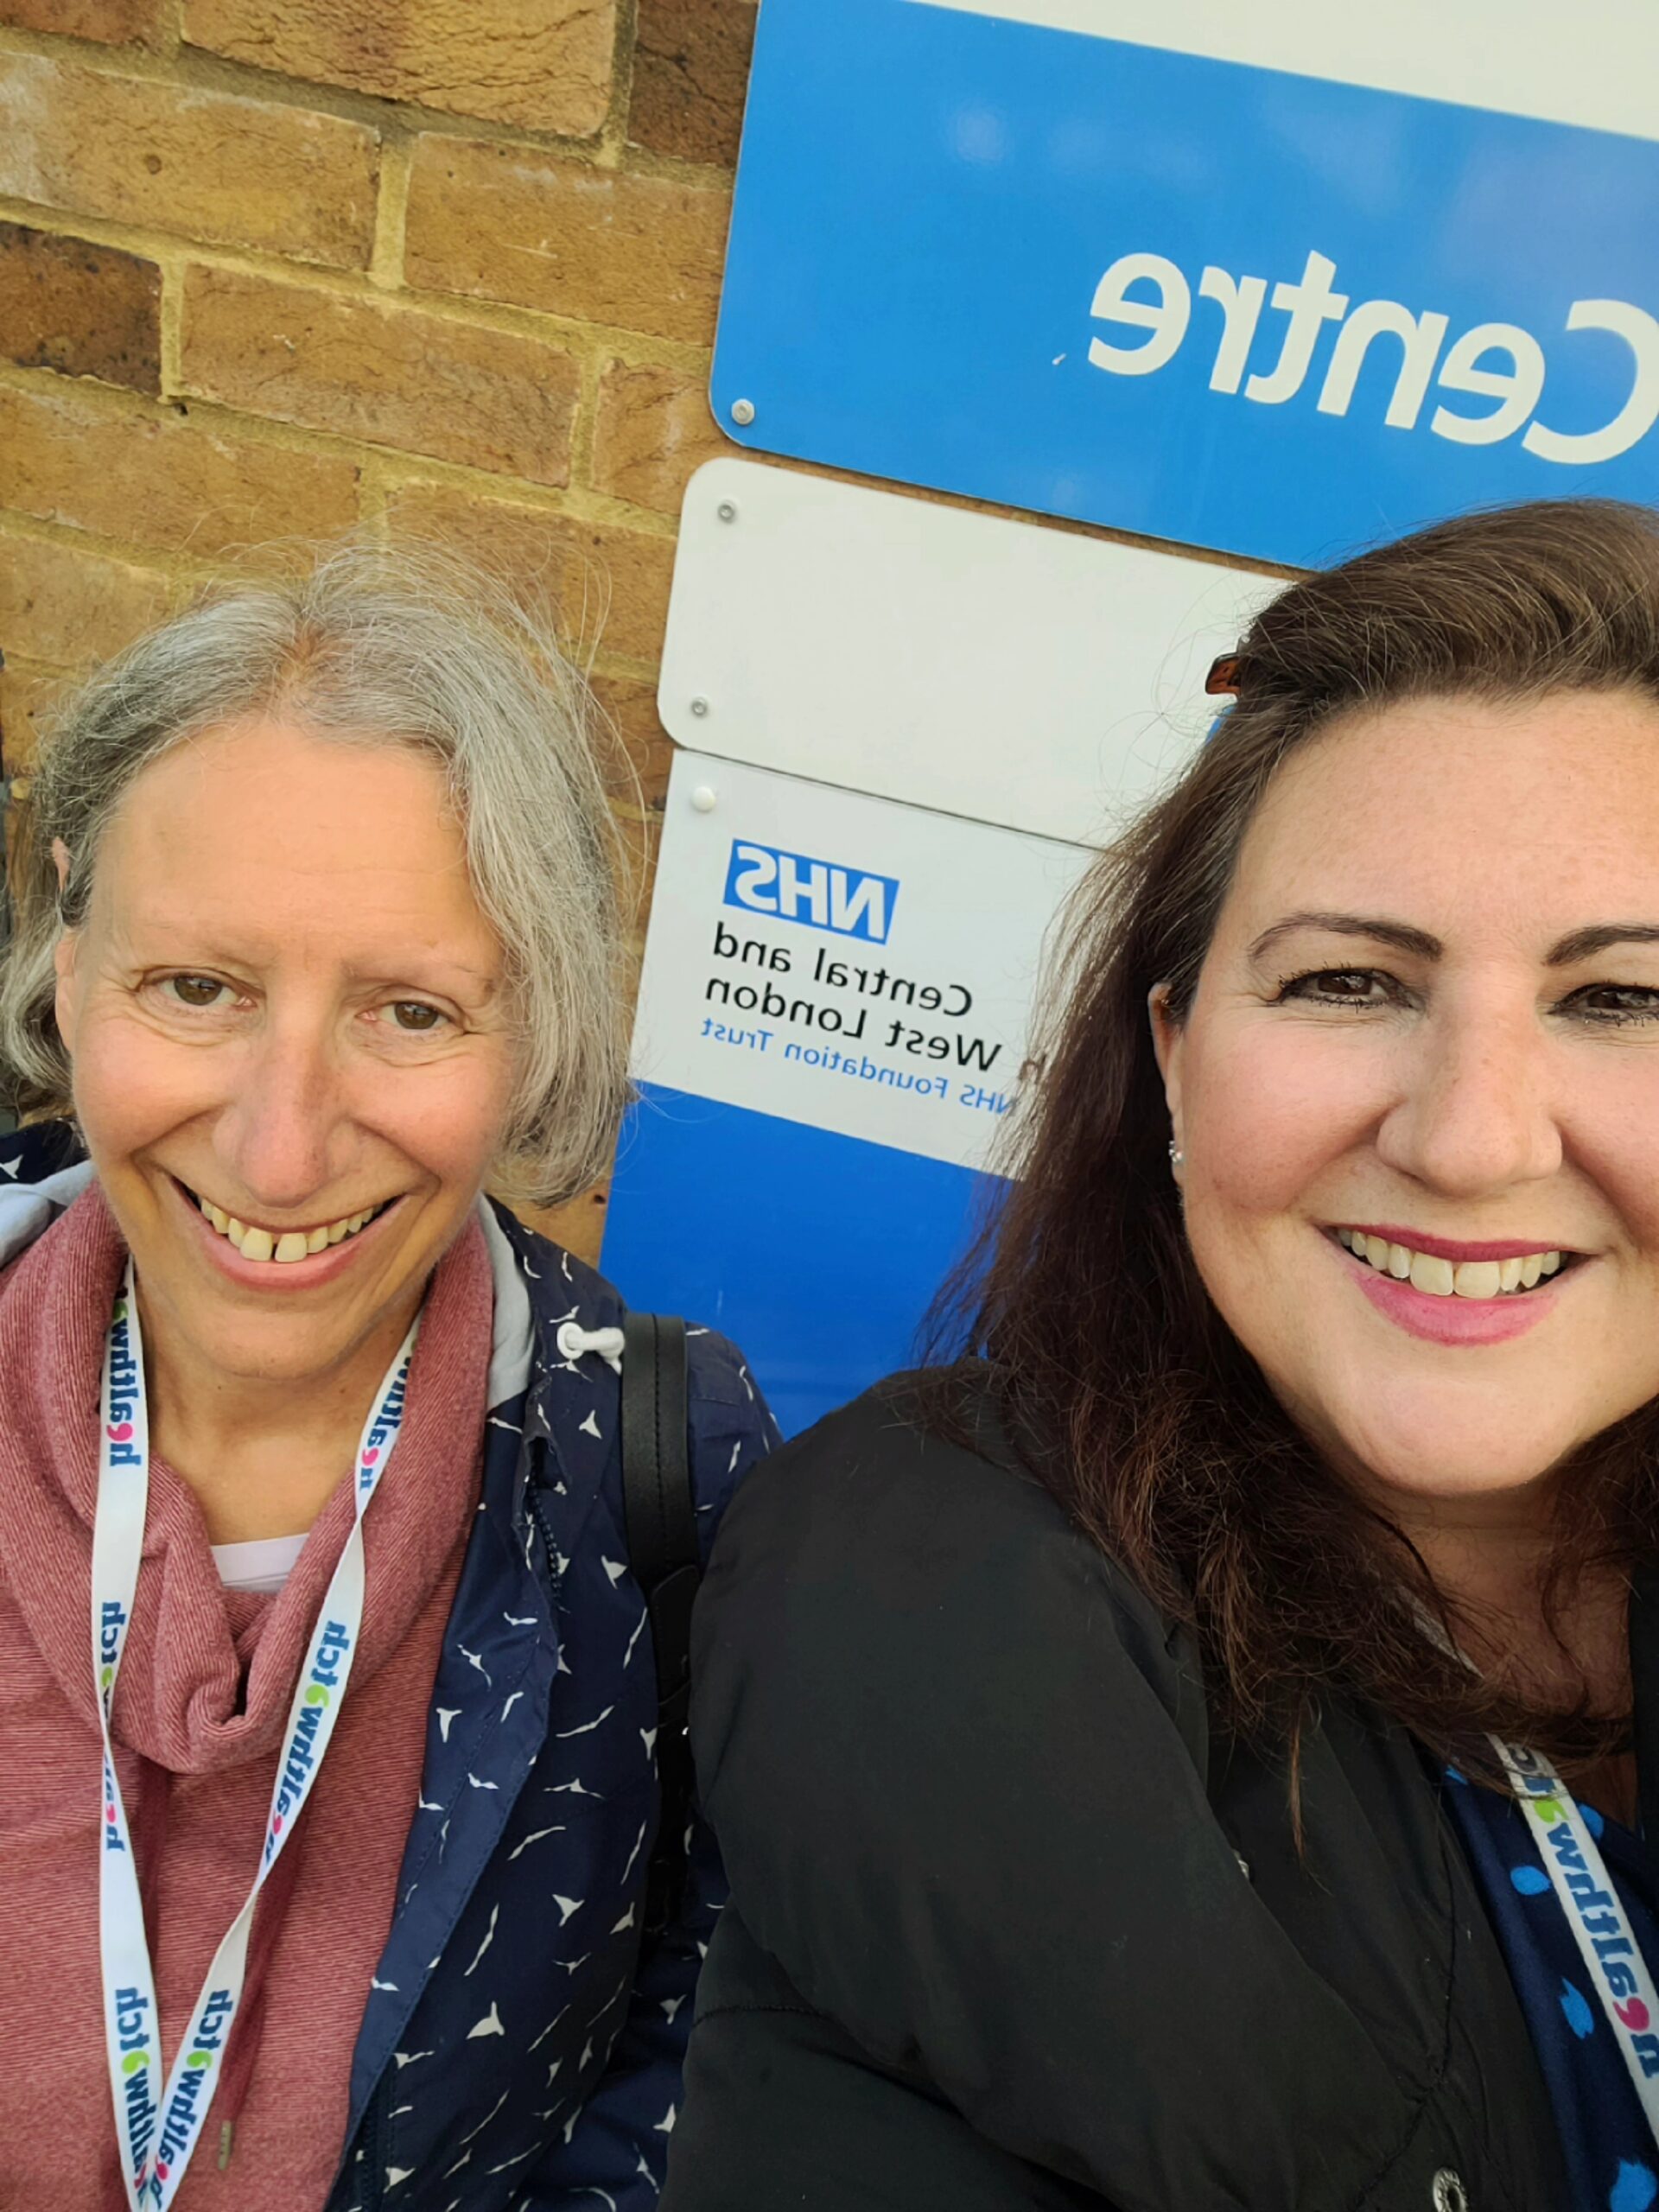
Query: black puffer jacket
x=1011, y=1926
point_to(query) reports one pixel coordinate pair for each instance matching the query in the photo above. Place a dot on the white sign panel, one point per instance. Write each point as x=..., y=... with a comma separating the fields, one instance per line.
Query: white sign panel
x=842, y=962
x=1596, y=64
x=1003, y=671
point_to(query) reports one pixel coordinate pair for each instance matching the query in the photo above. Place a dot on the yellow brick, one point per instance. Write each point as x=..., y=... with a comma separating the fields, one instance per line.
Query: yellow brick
x=642, y=840
x=206, y=164
x=27, y=691
x=629, y=707
x=525, y=546
x=544, y=64
x=112, y=22
x=655, y=428
x=393, y=375
x=155, y=475
x=691, y=72
x=616, y=588
x=601, y=245
x=82, y=309
x=609, y=588
x=67, y=607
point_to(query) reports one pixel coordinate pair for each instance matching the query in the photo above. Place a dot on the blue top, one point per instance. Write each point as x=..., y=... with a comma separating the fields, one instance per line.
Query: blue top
x=1612, y=2162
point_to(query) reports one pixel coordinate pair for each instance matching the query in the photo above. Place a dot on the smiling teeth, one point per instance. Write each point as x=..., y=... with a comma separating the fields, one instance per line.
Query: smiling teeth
x=1471, y=1279
x=282, y=1246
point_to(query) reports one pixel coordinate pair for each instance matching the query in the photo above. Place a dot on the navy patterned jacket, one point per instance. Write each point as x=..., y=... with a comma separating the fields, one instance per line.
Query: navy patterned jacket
x=521, y=2047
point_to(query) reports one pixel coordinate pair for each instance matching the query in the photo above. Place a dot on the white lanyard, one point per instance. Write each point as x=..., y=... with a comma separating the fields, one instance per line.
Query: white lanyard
x=158, y=2133
x=1610, y=1953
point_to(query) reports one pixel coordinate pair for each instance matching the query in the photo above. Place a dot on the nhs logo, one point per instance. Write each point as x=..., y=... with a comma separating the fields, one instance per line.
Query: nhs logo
x=822, y=894
x=1261, y=303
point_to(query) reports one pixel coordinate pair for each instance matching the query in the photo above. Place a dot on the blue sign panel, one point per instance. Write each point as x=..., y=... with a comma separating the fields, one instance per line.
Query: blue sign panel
x=819, y=1253
x=1267, y=314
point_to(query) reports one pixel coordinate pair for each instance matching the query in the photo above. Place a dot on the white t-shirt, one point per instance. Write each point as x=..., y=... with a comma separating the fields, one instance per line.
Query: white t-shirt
x=263, y=1566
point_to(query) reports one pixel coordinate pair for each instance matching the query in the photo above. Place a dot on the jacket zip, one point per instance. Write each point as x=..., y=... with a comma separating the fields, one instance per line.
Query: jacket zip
x=533, y=1496
x=376, y=2132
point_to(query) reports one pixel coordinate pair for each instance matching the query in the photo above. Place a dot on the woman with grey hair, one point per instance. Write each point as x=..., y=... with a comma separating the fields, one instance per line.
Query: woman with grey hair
x=316, y=1607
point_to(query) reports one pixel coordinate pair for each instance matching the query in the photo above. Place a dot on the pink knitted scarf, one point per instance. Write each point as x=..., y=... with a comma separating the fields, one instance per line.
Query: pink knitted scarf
x=200, y=1706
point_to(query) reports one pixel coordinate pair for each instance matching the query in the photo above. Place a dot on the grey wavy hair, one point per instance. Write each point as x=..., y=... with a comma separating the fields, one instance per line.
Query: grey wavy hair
x=410, y=647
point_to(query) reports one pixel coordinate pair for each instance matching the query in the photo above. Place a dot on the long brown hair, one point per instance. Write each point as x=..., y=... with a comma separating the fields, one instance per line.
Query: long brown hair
x=1155, y=1428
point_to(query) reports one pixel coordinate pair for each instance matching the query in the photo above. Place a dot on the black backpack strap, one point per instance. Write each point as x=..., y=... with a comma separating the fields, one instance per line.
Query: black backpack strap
x=660, y=1514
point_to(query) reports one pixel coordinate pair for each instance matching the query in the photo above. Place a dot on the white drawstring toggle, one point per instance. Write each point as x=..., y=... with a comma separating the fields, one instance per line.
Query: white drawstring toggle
x=573, y=1340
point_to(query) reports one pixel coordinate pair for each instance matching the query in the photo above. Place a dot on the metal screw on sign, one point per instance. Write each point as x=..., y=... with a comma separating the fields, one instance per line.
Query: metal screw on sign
x=699, y=708
x=726, y=511
x=703, y=799
x=743, y=412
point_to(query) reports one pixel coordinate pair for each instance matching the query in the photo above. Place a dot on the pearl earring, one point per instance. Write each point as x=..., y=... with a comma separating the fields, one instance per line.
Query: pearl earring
x=1177, y=1158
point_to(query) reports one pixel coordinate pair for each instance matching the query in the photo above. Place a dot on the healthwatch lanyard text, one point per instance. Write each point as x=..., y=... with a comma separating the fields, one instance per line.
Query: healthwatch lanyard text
x=157, y=2129
x=1616, y=1968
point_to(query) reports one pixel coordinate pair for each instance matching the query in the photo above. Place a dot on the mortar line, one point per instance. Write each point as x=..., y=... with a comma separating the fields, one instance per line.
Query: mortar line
x=391, y=213
x=170, y=324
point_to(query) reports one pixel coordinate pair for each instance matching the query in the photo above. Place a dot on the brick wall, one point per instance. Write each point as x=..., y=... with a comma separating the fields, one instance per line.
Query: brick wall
x=279, y=267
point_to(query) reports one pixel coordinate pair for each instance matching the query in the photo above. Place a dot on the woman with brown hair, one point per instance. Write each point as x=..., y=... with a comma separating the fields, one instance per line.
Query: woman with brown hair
x=1197, y=1748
